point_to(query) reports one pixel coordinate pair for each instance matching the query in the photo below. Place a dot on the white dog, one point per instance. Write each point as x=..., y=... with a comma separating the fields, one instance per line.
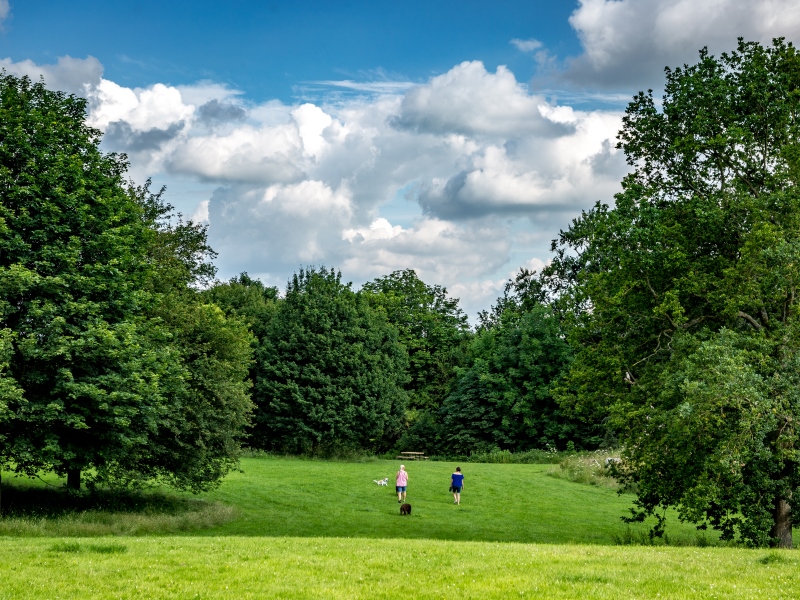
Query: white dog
x=384, y=481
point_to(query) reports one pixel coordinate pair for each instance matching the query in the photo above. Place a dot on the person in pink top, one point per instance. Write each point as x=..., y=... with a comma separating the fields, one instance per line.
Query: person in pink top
x=401, y=481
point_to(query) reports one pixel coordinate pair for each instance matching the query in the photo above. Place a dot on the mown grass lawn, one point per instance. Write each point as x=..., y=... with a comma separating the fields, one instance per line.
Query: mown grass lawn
x=318, y=529
x=256, y=567
x=500, y=502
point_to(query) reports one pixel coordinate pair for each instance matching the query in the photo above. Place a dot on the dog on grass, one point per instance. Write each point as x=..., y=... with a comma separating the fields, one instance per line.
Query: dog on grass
x=384, y=481
x=405, y=509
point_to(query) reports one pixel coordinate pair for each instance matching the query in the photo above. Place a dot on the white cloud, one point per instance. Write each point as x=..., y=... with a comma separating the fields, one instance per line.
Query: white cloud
x=278, y=228
x=440, y=251
x=371, y=87
x=470, y=100
x=526, y=45
x=461, y=156
x=71, y=75
x=311, y=122
x=631, y=41
x=245, y=154
x=5, y=9
x=156, y=107
x=206, y=91
x=200, y=213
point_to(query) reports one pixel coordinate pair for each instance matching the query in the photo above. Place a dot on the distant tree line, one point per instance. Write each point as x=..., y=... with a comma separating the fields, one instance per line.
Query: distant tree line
x=395, y=365
x=666, y=325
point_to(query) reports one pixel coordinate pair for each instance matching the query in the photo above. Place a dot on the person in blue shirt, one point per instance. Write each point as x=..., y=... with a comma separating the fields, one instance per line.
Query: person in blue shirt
x=456, y=484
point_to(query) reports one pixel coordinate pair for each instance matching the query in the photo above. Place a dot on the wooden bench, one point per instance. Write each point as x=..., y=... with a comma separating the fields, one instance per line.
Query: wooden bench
x=412, y=456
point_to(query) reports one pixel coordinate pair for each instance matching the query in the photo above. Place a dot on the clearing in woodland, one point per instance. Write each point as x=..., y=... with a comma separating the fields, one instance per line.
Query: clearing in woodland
x=295, y=528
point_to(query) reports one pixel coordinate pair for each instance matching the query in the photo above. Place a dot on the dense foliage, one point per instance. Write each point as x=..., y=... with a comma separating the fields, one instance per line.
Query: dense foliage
x=432, y=327
x=435, y=333
x=98, y=376
x=684, y=296
x=330, y=371
x=503, y=398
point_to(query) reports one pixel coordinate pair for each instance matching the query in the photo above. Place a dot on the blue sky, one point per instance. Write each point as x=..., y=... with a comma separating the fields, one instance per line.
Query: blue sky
x=454, y=138
x=272, y=49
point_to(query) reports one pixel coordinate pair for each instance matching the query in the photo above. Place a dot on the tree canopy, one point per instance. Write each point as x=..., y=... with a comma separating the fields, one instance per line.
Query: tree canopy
x=683, y=296
x=96, y=377
x=432, y=328
x=330, y=370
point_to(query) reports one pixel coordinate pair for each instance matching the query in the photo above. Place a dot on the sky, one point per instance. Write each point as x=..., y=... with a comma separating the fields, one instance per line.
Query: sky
x=455, y=138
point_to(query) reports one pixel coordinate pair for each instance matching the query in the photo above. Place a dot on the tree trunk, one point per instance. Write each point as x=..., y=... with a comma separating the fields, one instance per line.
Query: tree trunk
x=74, y=479
x=782, y=528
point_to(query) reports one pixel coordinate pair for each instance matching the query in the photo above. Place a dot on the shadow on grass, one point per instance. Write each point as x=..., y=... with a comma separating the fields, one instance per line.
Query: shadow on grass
x=32, y=511
x=114, y=548
x=53, y=502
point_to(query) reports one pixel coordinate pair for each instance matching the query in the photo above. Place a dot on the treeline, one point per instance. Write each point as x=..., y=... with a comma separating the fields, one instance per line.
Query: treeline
x=395, y=366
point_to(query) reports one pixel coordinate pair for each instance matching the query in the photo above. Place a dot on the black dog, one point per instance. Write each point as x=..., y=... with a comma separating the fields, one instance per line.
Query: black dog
x=405, y=509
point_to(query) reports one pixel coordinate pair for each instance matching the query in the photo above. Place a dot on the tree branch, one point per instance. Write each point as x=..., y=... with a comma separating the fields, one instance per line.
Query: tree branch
x=750, y=320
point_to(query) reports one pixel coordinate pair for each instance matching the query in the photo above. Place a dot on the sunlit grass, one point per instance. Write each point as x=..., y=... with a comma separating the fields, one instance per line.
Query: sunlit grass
x=291, y=497
x=286, y=528
x=257, y=567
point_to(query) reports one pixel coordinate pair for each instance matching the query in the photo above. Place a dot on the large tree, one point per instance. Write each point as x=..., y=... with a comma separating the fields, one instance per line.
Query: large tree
x=435, y=332
x=330, y=370
x=684, y=296
x=93, y=376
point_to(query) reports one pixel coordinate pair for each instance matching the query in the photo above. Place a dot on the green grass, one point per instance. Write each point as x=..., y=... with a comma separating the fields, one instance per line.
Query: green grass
x=257, y=567
x=38, y=508
x=300, y=498
x=323, y=529
x=501, y=502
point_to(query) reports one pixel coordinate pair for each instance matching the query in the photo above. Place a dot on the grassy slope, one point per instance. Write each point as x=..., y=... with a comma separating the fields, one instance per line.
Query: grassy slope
x=272, y=550
x=254, y=567
x=509, y=503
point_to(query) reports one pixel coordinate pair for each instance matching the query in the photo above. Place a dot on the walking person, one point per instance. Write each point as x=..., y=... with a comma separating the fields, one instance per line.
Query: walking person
x=457, y=484
x=401, y=482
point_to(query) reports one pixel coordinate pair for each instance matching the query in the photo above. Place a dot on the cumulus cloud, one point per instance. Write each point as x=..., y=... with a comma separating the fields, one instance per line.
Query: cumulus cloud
x=218, y=112
x=280, y=227
x=438, y=250
x=72, y=75
x=462, y=156
x=525, y=176
x=470, y=100
x=628, y=42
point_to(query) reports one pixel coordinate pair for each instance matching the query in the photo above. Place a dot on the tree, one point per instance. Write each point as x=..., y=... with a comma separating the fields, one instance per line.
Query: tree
x=683, y=296
x=503, y=398
x=435, y=332
x=432, y=328
x=209, y=407
x=330, y=371
x=92, y=376
x=247, y=298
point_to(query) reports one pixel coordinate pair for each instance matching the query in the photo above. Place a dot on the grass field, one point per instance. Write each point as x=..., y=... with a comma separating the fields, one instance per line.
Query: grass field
x=508, y=503
x=256, y=567
x=301, y=529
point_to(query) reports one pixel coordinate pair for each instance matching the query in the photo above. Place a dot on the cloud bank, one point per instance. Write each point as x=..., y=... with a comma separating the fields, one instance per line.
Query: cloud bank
x=463, y=177
x=629, y=42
